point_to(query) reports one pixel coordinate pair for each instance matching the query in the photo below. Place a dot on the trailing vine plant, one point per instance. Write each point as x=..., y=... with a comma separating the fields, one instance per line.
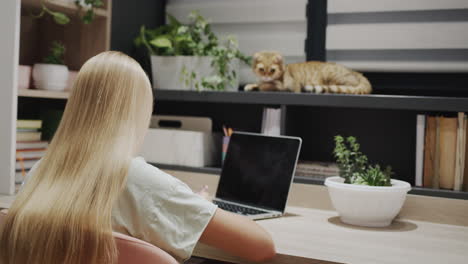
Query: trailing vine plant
x=62, y=19
x=89, y=14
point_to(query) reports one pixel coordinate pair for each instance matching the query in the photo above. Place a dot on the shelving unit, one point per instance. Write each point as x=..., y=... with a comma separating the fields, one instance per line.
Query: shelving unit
x=33, y=37
x=385, y=125
x=42, y=94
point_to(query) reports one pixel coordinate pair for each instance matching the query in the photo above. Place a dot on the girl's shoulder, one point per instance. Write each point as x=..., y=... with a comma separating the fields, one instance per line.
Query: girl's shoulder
x=145, y=175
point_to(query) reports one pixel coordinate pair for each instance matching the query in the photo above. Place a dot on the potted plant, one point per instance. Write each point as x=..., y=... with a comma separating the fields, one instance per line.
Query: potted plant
x=52, y=74
x=363, y=194
x=191, y=57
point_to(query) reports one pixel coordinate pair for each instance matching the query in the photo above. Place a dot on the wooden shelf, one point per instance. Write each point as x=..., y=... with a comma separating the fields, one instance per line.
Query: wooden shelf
x=373, y=101
x=42, y=94
x=308, y=180
x=67, y=7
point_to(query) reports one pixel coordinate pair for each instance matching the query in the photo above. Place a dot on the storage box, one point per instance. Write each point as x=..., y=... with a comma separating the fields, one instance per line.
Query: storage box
x=185, y=141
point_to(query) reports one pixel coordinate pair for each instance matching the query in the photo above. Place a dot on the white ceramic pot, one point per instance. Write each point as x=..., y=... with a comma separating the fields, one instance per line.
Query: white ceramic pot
x=24, y=76
x=362, y=205
x=71, y=79
x=168, y=71
x=50, y=76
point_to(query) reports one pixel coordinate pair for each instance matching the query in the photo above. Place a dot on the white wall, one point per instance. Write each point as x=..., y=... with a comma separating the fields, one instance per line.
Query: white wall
x=258, y=24
x=9, y=48
x=399, y=35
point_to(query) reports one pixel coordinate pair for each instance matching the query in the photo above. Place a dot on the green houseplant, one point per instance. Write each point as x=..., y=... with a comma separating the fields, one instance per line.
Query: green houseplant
x=52, y=74
x=191, y=56
x=354, y=167
x=364, y=194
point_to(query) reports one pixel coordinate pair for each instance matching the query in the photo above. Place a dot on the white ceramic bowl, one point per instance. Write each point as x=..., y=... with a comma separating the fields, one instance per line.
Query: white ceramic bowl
x=362, y=205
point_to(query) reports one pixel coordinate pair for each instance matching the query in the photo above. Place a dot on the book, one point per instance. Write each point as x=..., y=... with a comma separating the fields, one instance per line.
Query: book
x=429, y=151
x=28, y=154
x=28, y=136
x=27, y=130
x=448, y=146
x=271, y=123
x=460, y=153
x=20, y=145
x=31, y=124
x=420, y=129
x=317, y=170
x=436, y=164
x=465, y=171
x=26, y=164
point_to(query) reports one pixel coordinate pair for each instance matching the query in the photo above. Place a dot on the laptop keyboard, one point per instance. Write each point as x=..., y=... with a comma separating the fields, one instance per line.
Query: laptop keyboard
x=238, y=208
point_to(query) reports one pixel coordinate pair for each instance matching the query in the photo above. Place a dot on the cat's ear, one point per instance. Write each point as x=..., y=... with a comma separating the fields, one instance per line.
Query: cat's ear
x=256, y=57
x=278, y=59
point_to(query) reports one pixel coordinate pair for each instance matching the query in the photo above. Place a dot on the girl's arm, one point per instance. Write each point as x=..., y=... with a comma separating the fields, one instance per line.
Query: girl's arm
x=238, y=236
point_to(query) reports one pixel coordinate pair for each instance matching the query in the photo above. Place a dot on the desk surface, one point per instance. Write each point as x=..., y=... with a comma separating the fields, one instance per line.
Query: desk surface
x=310, y=235
x=429, y=230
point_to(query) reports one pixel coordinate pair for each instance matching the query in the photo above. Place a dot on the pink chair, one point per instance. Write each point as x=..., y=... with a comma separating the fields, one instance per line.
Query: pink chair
x=132, y=250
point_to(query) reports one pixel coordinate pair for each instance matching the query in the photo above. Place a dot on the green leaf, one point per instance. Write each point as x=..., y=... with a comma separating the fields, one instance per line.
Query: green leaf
x=60, y=18
x=88, y=16
x=172, y=20
x=161, y=42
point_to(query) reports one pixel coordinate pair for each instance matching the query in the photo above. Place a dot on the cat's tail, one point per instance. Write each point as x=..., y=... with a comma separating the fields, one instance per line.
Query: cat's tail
x=363, y=87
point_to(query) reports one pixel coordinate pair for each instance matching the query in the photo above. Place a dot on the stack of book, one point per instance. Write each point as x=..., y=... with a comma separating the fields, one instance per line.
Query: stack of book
x=441, y=152
x=29, y=147
x=316, y=170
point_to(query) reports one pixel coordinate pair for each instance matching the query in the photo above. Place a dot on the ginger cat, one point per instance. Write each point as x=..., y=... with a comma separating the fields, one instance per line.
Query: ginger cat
x=311, y=76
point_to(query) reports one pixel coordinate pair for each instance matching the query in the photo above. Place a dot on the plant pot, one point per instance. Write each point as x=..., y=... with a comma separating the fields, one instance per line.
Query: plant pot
x=24, y=76
x=71, y=79
x=50, y=76
x=370, y=206
x=168, y=72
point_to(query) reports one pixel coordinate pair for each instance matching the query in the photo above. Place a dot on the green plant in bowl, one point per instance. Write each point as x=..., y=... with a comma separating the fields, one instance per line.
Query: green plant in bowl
x=354, y=165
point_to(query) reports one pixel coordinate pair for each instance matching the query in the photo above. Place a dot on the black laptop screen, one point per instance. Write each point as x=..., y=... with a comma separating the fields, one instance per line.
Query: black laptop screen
x=258, y=170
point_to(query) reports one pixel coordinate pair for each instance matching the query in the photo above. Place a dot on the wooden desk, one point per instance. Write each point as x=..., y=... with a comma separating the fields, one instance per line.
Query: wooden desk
x=311, y=235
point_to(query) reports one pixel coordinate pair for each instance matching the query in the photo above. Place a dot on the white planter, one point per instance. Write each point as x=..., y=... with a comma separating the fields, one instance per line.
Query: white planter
x=168, y=71
x=362, y=205
x=24, y=76
x=50, y=76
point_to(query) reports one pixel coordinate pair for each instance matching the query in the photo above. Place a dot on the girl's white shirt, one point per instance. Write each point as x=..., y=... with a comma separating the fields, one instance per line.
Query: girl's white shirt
x=160, y=209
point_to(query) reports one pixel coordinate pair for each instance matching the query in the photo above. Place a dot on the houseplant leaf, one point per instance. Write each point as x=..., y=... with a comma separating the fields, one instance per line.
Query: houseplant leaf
x=161, y=42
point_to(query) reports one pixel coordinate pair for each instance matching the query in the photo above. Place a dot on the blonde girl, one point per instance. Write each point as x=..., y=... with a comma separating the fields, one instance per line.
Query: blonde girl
x=90, y=183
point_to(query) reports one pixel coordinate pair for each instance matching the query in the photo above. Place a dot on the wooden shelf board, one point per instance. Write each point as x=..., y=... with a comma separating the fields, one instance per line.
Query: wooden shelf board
x=42, y=94
x=67, y=7
x=309, y=180
x=372, y=101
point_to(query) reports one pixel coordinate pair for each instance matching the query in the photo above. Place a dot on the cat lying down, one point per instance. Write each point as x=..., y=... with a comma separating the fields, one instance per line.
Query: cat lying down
x=311, y=76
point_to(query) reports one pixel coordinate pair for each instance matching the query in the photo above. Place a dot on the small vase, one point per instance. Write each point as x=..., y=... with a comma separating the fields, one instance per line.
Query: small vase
x=50, y=76
x=24, y=76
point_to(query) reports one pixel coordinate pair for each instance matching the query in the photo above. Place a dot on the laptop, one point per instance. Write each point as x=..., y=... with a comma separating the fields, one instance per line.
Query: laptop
x=257, y=174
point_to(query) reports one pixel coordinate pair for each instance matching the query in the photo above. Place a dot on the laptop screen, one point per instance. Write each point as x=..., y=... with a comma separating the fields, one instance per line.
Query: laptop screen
x=258, y=170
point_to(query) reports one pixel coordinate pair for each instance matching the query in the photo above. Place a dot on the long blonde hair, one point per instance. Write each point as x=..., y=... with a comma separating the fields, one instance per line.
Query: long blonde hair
x=63, y=213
